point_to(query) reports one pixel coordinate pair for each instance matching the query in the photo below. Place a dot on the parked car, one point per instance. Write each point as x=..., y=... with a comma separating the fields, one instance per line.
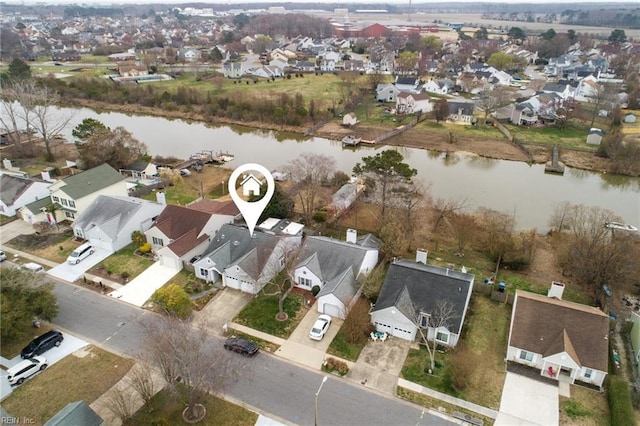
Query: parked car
x=25, y=369
x=33, y=267
x=185, y=172
x=320, y=327
x=241, y=346
x=3, y=256
x=42, y=343
x=80, y=253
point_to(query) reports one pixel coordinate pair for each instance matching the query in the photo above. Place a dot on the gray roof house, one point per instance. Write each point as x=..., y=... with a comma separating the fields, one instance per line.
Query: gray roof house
x=413, y=294
x=334, y=266
x=461, y=112
x=386, y=92
x=77, y=413
x=245, y=262
x=110, y=220
x=16, y=192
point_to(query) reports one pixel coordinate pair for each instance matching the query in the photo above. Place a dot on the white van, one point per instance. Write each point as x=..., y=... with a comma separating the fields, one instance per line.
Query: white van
x=85, y=250
x=34, y=267
x=25, y=369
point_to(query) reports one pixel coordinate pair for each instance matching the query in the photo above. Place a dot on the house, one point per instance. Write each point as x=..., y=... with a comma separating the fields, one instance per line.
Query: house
x=132, y=70
x=334, y=266
x=386, y=92
x=414, y=294
x=440, y=87
x=408, y=84
x=75, y=413
x=232, y=69
x=461, y=112
x=73, y=194
x=179, y=233
x=140, y=170
x=245, y=262
x=630, y=118
x=634, y=335
x=594, y=137
x=561, y=340
x=524, y=113
x=350, y=119
x=411, y=103
x=250, y=186
x=305, y=66
x=564, y=90
x=110, y=220
x=16, y=192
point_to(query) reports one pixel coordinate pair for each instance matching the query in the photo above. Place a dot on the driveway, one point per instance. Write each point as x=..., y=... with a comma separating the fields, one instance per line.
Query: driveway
x=69, y=345
x=300, y=348
x=527, y=402
x=223, y=308
x=72, y=273
x=140, y=289
x=379, y=364
x=12, y=229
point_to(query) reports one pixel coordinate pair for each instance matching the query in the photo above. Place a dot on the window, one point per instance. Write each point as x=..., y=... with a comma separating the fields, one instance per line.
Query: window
x=204, y=272
x=70, y=215
x=527, y=356
x=72, y=204
x=157, y=241
x=64, y=202
x=442, y=337
x=424, y=320
x=588, y=373
x=56, y=199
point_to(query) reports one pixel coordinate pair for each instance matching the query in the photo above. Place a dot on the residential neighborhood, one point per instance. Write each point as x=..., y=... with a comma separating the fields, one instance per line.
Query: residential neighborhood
x=371, y=288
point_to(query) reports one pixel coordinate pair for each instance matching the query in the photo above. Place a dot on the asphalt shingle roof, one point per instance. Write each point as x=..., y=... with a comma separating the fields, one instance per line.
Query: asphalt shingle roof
x=90, y=181
x=11, y=187
x=328, y=258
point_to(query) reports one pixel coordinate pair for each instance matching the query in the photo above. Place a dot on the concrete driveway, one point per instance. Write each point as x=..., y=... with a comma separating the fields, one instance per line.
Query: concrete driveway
x=527, y=402
x=72, y=273
x=12, y=229
x=223, y=308
x=379, y=364
x=300, y=348
x=69, y=345
x=140, y=289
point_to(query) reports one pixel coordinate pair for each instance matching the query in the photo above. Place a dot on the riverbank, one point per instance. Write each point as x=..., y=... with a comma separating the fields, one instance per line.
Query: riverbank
x=495, y=148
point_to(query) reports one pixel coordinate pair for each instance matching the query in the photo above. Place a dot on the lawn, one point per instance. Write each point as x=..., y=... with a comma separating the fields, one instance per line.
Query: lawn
x=485, y=336
x=585, y=408
x=166, y=410
x=71, y=379
x=122, y=261
x=55, y=246
x=567, y=137
x=340, y=348
x=262, y=344
x=260, y=313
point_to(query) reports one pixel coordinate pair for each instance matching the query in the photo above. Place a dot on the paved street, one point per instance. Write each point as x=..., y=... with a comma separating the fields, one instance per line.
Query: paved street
x=277, y=387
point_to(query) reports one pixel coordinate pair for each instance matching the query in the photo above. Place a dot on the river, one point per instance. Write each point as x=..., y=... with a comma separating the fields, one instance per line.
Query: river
x=514, y=187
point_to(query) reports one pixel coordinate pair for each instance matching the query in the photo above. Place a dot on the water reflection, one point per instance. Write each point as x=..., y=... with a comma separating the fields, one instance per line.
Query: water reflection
x=481, y=163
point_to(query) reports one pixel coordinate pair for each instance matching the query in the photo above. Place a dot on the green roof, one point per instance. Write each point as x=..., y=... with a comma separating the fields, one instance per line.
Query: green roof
x=35, y=206
x=90, y=181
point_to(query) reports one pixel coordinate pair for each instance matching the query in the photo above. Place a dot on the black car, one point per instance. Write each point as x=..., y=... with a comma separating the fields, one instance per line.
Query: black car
x=42, y=343
x=241, y=346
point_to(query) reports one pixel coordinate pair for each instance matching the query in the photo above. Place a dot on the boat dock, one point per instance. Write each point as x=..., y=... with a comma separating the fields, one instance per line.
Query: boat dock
x=354, y=141
x=209, y=157
x=555, y=165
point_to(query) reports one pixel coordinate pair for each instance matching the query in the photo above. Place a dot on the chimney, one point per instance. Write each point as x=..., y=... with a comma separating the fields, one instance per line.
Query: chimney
x=352, y=236
x=556, y=290
x=421, y=256
x=160, y=198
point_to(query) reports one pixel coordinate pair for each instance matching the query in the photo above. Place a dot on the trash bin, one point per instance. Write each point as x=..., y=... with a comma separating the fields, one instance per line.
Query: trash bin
x=501, y=286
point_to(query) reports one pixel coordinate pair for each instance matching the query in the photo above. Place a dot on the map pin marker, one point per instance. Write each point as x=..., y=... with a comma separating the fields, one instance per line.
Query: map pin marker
x=251, y=185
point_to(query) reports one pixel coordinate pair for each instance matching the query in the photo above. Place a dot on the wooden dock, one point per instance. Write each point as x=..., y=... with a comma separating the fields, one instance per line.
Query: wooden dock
x=555, y=165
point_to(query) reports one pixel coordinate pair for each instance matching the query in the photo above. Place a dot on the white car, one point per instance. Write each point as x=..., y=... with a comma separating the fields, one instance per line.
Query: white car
x=185, y=172
x=3, y=256
x=25, y=369
x=320, y=327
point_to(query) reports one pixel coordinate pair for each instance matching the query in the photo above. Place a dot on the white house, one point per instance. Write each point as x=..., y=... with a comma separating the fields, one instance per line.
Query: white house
x=232, y=69
x=386, y=92
x=408, y=84
x=436, y=86
x=411, y=103
x=561, y=340
x=243, y=261
x=414, y=294
x=16, y=192
x=334, y=266
x=110, y=220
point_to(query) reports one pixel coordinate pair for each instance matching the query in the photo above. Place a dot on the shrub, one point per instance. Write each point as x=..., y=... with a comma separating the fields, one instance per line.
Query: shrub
x=620, y=402
x=138, y=238
x=315, y=290
x=145, y=248
x=320, y=216
x=173, y=300
x=331, y=364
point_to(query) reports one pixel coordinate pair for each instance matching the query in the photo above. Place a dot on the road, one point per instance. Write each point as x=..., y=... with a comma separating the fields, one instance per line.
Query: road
x=276, y=387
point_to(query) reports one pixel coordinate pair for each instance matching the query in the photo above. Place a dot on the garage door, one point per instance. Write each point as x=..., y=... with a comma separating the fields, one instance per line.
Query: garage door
x=332, y=310
x=101, y=244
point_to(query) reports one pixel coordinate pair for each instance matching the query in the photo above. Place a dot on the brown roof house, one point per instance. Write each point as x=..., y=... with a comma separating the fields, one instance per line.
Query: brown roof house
x=564, y=341
x=179, y=234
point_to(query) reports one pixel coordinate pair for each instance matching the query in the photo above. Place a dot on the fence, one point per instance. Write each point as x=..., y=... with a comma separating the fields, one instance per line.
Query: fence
x=315, y=127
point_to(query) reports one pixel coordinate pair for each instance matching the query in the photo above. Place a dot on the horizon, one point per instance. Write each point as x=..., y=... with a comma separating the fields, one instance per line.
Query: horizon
x=200, y=4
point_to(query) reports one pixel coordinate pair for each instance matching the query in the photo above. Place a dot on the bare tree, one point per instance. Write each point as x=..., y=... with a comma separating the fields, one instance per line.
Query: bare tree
x=429, y=324
x=192, y=364
x=394, y=240
x=559, y=216
x=490, y=101
x=496, y=233
x=602, y=97
x=464, y=227
x=141, y=379
x=307, y=172
x=357, y=324
x=446, y=209
x=410, y=199
x=281, y=273
x=373, y=282
x=116, y=147
x=47, y=122
x=121, y=402
x=17, y=111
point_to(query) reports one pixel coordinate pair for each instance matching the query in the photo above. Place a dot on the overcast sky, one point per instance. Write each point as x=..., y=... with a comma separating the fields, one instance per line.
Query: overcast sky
x=369, y=2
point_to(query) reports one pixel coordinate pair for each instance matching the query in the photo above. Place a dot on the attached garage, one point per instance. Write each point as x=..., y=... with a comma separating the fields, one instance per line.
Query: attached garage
x=332, y=310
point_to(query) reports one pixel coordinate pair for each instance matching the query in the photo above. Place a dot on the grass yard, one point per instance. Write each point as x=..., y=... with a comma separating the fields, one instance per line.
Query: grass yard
x=52, y=246
x=567, y=137
x=340, y=348
x=260, y=313
x=166, y=410
x=485, y=336
x=262, y=344
x=585, y=408
x=69, y=380
x=122, y=261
